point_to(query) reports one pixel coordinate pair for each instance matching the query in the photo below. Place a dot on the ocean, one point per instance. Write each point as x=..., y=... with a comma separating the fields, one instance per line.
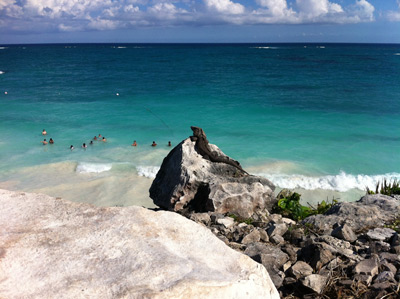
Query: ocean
x=321, y=119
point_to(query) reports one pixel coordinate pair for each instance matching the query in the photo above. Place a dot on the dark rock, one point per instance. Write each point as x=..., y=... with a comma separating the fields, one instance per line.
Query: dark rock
x=187, y=179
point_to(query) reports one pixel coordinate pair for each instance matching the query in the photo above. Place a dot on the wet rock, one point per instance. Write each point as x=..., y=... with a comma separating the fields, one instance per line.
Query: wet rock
x=186, y=179
x=315, y=282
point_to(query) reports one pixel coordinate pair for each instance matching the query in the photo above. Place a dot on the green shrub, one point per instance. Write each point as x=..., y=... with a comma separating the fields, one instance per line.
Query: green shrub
x=290, y=207
x=386, y=188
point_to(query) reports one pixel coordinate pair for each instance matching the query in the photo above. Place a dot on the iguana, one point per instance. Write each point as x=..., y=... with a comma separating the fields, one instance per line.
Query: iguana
x=203, y=148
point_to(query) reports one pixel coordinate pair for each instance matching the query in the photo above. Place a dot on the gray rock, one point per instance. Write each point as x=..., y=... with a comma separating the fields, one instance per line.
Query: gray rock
x=315, y=282
x=277, y=229
x=344, y=232
x=367, y=267
x=54, y=248
x=277, y=239
x=386, y=266
x=201, y=218
x=272, y=255
x=381, y=234
x=364, y=278
x=186, y=179
x=370, y=211
x=300, y=270
x=252, y=237
x=384, y=276
x=390, y=257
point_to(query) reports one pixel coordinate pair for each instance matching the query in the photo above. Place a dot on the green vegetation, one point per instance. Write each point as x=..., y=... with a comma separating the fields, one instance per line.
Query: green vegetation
x=290, y=207
x=241, y=219
x=395, y=225
x=386, y=188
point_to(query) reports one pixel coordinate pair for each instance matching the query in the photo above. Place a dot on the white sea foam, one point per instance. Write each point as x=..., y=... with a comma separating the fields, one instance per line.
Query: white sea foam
x=396, y=54
x=93, y=167
x=1, y=72
x=2, y=48
x=264, y=47
x=148, y=171
x=121, y=47
x=341, y=182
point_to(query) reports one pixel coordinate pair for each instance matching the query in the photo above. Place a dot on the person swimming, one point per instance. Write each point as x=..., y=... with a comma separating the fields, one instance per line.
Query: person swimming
x=154, y=143
x=169, y=143
x=134, y=143
x=104, y=139
x=95, y=138
x=44, y=132
x=71, y=147
x=51, y=141
x=84, y=146
x=91, y=142
x=44, y=142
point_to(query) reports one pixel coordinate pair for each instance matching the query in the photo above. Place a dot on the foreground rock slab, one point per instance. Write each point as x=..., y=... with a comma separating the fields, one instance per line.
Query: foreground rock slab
x=189, y=179
x=51, y=248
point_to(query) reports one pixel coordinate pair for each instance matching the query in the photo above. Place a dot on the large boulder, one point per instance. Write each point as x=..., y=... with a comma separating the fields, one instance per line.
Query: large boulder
x=369, y=212
x=187, y=179
x=52, y=248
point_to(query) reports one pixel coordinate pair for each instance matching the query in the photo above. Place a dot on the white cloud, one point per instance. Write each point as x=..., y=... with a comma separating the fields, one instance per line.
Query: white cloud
x=72, y=15
x=224, y=6
x=394, y=16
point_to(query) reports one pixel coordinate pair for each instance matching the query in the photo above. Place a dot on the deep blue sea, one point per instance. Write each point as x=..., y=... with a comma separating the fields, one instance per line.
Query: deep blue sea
x=323, y=119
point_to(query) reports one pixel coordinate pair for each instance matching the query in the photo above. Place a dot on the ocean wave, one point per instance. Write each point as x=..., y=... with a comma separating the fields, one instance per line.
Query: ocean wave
x=264, y=48
x=1, y=72
x=84, y=167
x=148, y=171
x=2, y=48
x=341, y=182
x=396, y=54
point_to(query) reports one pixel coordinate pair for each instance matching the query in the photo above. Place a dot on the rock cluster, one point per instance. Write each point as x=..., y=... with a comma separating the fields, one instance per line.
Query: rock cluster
x=346, y=251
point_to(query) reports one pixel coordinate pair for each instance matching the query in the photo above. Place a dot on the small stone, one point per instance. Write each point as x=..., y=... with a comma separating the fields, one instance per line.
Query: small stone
x=215, y=216
x=286, y=266
x=396, y=249
x=201, y=218
x=385, y=276
x=252, y=237
x=386, y=266
x=277, y=239
x=380, y=234
x=242, y=225
x=367, y=267
x=344, y=233
x=391, y=257
x=263, y=235
x=277, y=229
x=346, y=282
x=288, y=221
x=228, y=222
x=315, y=282
x=300, y=269
x=384, y=285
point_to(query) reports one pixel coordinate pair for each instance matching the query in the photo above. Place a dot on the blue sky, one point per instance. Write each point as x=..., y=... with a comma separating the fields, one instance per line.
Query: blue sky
x=68, y=21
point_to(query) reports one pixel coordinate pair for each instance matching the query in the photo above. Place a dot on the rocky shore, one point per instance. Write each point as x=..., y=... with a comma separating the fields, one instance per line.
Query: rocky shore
x=349, y=251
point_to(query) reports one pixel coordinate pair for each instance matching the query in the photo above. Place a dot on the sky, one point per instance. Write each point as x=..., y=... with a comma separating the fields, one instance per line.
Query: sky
x=191, y=21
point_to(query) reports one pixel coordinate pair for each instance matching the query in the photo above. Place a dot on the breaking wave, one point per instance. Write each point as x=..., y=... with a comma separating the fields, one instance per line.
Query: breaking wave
x=341, y=182
x=93, y=167
x=148, y=171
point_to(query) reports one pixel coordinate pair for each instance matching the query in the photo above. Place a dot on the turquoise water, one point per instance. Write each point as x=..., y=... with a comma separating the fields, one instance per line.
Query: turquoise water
x=312, y=117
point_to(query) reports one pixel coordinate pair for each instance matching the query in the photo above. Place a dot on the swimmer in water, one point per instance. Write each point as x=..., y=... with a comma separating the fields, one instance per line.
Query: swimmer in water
x=44, y=142
x=84, y=146
x=99, y=135
x=44, y=132
x=154, y=143
x=104, y=139
x=51, y=141
x=134, y=143
x=94, y=138
x=169, y=143
x=71, y=147
x=91, y=142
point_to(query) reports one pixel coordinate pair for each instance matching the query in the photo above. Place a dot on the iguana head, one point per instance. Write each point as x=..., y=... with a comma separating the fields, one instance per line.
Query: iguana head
x=198, y=132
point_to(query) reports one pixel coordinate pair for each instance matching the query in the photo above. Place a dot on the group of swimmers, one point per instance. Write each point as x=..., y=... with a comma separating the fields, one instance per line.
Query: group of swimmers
x=95, y=138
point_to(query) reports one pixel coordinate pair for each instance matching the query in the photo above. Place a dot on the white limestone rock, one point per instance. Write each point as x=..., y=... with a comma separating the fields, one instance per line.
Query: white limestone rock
x=52, y=248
